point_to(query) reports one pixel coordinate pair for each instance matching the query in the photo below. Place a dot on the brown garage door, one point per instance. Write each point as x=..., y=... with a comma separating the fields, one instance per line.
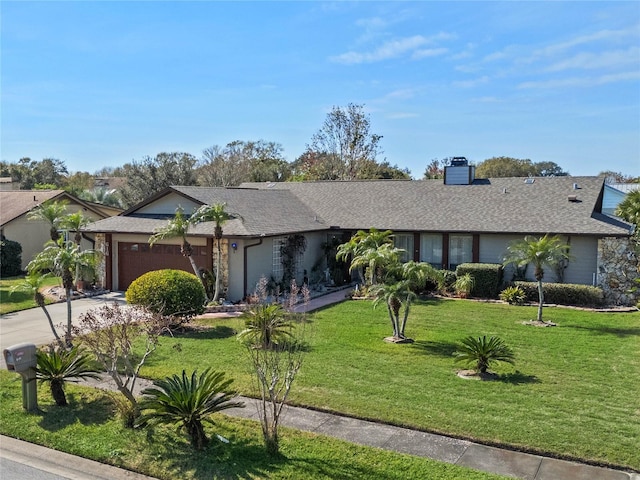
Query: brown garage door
x=134, y=259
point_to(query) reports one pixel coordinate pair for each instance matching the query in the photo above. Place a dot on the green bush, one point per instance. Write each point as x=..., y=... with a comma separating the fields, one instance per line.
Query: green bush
x=168, y=292
x=513, y=295
x=564, y=293
x=10, y=258
x=487, y=278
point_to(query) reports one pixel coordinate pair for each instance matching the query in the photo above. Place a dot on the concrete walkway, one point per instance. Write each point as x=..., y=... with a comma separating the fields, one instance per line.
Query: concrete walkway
x=388, y=437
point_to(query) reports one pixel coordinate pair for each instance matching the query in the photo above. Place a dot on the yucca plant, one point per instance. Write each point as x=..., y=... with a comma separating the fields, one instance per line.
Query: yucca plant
x=483, y=352
x=266, y=326
x=464, y=284
x=58, y=366
x=188, y=401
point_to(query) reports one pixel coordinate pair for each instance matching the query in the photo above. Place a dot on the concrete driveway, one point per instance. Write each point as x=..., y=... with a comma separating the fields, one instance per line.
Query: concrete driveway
x=31, y=326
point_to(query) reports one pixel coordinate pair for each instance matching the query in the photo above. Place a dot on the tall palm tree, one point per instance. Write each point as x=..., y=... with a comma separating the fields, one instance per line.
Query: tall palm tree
x=215, y=213
x=31, y=284
x=188, y=401
x=547, y=250
x=60, y=366
x=63, y=259
x=52, y=213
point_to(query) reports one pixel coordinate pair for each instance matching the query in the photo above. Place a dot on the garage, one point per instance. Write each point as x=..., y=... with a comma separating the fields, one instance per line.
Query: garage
x=135, y=259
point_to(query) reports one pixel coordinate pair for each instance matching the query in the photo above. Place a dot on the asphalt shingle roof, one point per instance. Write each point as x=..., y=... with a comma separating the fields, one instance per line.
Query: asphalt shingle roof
x=497, y=205
x=14, y=203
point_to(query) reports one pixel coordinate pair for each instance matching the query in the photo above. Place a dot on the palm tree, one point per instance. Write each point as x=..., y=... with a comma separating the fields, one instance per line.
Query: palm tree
x=361, y=242
x=395, y=295
x=31, y=284
x=542, y=251
x=629, y=208
x=483, y=352
x=63, y=259
x=52, y=213
x=188, y=401
x=74, y=222
x=177, y=227
x=375, y=258
x=214, y=213
x=266, y=326
x=59, y=366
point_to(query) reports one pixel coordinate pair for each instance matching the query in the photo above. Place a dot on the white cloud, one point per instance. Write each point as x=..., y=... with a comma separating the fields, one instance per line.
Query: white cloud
x=428, y=52
x=394, y=49
x=611, y=59
x=471, y=83
x=581, y=82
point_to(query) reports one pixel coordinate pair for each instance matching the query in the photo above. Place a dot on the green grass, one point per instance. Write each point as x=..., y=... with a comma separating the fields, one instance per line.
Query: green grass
x=573, y=392
x=13, y=302
x=87, y=428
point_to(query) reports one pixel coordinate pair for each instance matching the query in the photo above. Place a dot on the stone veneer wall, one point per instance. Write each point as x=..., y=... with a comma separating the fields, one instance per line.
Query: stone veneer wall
x=101, y=276
x=618, y=267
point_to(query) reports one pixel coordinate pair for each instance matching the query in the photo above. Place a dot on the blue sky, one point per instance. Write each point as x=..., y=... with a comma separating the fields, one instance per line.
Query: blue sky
x=104, y=83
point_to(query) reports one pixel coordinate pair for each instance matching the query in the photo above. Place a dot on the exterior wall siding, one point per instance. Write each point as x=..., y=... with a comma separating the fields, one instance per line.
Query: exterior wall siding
x=167, y=205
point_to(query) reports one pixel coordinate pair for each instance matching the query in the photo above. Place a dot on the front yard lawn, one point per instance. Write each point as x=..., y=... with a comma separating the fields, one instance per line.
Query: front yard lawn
x=573, y=392
x=13, y=302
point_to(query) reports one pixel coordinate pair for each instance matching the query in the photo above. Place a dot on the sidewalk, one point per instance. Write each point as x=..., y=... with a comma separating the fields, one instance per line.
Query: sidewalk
x=446, y=449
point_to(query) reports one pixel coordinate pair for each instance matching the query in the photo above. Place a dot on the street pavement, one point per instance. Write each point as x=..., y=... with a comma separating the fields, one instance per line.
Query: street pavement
x=27, y=326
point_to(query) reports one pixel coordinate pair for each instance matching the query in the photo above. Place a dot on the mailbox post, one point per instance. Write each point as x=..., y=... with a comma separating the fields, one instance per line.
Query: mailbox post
x=21, y=358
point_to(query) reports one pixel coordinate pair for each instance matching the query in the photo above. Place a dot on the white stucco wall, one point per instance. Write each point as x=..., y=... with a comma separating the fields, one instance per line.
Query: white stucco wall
x=167, y=205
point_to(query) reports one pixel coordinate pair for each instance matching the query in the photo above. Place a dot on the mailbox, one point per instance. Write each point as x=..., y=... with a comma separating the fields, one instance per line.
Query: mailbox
x=20, y=358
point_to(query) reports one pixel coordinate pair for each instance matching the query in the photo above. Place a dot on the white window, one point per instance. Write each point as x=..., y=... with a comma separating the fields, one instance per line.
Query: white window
x=460, y=250
x=277, y=258
x=431, y=249
x=405, y=242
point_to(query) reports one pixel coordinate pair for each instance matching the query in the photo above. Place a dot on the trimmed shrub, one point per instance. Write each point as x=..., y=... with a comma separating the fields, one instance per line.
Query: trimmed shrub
x=487, y=278
x=564, y=293
x=10, y=258
x=168, y=292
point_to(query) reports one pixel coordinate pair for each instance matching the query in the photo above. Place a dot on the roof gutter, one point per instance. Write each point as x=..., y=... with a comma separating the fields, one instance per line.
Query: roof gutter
x=247, y=247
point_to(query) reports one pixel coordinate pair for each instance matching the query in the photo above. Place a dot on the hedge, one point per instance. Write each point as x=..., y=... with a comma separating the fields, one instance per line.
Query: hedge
x=564, y=293
x=487, y=278
x=10, y=258
x=169, y=292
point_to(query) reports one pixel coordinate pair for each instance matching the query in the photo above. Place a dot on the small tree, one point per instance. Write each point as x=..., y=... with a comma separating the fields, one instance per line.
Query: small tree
x=110, y=331
x=214, y=213
x=547, y=250
x=51, y=213
x=63, y=258
x=275, y=370
x=59, y=366
x=266, y=326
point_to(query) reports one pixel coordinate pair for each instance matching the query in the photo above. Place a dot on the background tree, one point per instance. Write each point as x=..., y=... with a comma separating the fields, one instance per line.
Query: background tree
x=78, y=182
x=346, y=141
x=151, y=175
x=104, y=196
x=435, y=169
x=496, y=167
x=618, y=177
x=547, y=250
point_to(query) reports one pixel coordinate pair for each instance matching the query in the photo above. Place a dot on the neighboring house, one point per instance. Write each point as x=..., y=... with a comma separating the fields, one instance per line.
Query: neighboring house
x=445, y=223
x=33, y=234
x=614, y=193
x=7, y=184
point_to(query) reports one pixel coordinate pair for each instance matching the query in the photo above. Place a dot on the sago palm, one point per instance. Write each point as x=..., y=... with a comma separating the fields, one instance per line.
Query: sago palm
x=481, y=353
x=266, y=326
x=188, y=401
x=59, y=366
